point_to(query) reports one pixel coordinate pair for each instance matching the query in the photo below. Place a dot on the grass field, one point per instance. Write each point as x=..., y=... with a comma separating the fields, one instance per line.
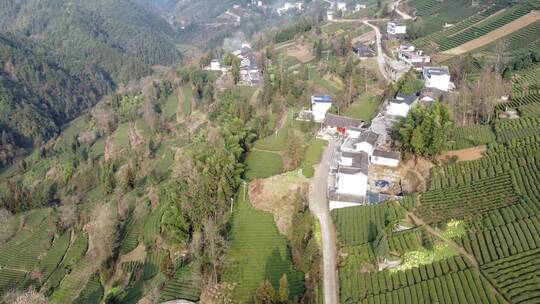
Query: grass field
x=276, y=142
x=364, y=108
x=262, y=164
x=170, y=106
x=312, y=156
x=188, y=96
x=258, y=252
x=121, y=136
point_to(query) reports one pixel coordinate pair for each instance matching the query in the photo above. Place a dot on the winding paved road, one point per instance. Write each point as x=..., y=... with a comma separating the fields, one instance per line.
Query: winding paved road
x=403, y=15
x=318, y=204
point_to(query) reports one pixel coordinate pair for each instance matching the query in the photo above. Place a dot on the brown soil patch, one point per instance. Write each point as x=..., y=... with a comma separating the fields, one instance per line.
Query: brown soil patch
x=52, y=173
x=278, y=195
x=300, y=52
x=473, y=153
x=365, y=38
x=111, y=151
x=416, y=174
x=138, y=254
x=505, y=30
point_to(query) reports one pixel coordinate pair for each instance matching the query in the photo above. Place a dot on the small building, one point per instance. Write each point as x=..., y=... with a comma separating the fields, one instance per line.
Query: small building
x=429, y=95
x=414, y=58
x=342, y=6
x=385, y=158
x=289, y=6
x=330, y=16
x=437, y=77
x=395, y=28
x=359, y=7
x=407, y=47
x=363, y=51
x=401, y=105
x=215, y=65
x=342, y=124
x=320, y=104
x=366, y=142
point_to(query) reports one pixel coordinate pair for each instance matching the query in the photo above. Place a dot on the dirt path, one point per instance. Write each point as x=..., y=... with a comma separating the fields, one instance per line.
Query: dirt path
x=318, y=204
x=505, y=30
x=403, y=15
x=380, y=54
x=473, y=153
x=438, y=234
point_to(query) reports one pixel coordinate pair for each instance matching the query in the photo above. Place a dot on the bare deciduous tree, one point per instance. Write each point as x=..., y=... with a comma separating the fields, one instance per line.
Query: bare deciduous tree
x=31, y=296
x=102, y=231
x=105, y=120
x=68, y=213
x=7, y=227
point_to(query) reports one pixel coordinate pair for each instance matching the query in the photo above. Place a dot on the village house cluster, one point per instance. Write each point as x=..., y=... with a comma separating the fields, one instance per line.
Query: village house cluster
x=250, y=73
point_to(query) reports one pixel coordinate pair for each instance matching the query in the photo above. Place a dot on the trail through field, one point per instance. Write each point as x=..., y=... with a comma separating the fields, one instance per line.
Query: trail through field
x=318, y=204
x=403, y=15
x=380, y=54
x=438, y=234
x=490, y=37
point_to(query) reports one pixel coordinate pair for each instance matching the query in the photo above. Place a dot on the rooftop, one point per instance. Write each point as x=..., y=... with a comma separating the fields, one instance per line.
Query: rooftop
x=321, y=98
x=360, y=162
x=404, y=98
x=369, y=137
x=436, y=71
x=386, y=154
x=342, y=122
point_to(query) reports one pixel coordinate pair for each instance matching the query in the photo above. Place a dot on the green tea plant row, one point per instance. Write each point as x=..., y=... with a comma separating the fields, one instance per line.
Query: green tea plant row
x=504, y=241
x=73, y=282
x=460, y=287
x=129, y=269
x=92, y=292
x=9, y=278
x=502, y=216
x=26, y=255
x=525, y=39
x=404, y=241
x=526, y=82
x=153, y=262
x=514, y=129
x=356, y=286
x=438, y=37
x=530, y=110
x=181, y=286
x=467, y=201
x=470, y=136
x=55, y=254
x=517, y=276
x=73, y=255
x=483, y=28
x=359, y=225
x=130, y=238
x=423, y=7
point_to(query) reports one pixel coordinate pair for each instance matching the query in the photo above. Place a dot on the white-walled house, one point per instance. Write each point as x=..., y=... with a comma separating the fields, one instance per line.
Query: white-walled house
x=395, y=28
x=414, y=58
x=401, y=105
x=359, y=7
x=385, y=158
x=319, y=106
x=366, y=142
x=437, y=77
x=342, y=6
x=215, y=65
x=330, y=16
x=352, y=177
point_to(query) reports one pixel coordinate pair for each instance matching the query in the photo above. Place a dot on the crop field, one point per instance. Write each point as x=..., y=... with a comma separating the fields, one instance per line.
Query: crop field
x=257, y=252
x=483, y=28
x=525, y=39
x=92, y=292
x=55, y=255
x=131, y=236
x=261, y=164
x=509, y=130
x=276, y=142
x=517, y=276
x=470, y=136
x=74, y=282
x=450, y=280
x=360, y=225
x=526, y=91
x=467, y=201
x=181, y=286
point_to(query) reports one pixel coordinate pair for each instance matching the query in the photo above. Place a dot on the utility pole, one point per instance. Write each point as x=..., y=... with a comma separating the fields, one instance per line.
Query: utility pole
x=232, y=204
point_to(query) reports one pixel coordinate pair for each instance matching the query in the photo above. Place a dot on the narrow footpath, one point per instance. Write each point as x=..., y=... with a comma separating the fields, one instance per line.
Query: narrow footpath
x=318, y=204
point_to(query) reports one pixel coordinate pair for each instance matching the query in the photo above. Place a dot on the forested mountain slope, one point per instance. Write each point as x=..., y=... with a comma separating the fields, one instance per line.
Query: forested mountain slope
x=59, y=57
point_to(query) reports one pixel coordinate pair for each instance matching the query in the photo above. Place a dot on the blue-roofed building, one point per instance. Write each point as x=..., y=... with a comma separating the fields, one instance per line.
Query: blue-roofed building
x=320, y=104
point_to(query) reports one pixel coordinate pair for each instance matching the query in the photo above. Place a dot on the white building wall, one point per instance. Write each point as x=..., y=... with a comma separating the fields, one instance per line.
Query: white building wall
x=319, y=110
x=352, y=184
x=366, y=147
x=441, y=82
x=398, y=109
x=338, y=205
x=382, y=161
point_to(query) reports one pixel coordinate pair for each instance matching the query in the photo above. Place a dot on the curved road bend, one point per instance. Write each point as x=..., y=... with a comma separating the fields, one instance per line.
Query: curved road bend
x=318, y=204
x=380, y=54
